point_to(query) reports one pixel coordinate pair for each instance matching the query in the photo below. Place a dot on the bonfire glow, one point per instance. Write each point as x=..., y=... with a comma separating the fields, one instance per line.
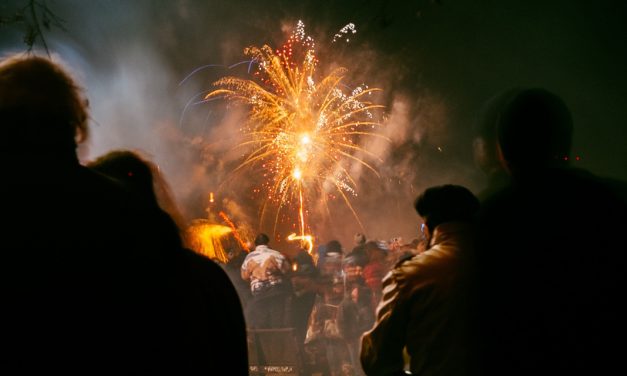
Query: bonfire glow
x=206, y=238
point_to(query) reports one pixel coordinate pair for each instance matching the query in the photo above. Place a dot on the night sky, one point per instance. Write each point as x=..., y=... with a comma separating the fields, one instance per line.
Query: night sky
x=436, y=61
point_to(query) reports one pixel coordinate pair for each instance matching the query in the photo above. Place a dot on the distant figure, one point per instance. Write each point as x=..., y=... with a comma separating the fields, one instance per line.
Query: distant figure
x=552, y=305
x=305, y=286
x=204, y=293
x=355, y=317
x=304, y=278
x=424, y=309
x=267, y=270
x=375, y=269
x=358, y=253
x=88, y=285
x=330, y=261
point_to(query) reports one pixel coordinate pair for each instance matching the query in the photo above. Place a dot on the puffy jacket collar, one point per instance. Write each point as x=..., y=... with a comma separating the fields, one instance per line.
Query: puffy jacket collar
x=450, y=231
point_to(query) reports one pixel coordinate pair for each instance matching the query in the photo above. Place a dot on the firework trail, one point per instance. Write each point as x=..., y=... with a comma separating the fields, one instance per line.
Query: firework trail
x=303, y=132
x=234, y=230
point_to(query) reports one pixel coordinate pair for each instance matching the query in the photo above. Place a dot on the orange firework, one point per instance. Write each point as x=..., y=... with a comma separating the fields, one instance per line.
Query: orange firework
x=235, y=232
x=304, y=132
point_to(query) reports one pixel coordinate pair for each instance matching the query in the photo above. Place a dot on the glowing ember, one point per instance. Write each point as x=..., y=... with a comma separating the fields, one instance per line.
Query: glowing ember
x=307, y=239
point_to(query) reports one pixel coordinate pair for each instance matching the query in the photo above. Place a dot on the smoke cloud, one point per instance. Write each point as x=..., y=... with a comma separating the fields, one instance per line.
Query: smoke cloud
x=134, y=59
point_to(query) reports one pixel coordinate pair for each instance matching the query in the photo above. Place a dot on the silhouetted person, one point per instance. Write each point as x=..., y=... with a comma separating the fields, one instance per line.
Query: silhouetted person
x=88, y=286
x=485, y=145
x=425, y=308
x=552, y=305
x=214, y=330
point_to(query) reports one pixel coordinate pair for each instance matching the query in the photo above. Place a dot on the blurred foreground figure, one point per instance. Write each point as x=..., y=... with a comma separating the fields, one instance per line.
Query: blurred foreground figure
x=213, y=328
x=485, y=145
x=89, y=283
x=425, y=305
x=552, y=305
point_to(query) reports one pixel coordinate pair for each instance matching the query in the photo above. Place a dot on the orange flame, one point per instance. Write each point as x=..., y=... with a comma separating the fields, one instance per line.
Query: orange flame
x=235, y=233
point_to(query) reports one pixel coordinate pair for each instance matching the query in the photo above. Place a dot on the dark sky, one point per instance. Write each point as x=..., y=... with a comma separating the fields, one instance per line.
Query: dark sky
x=437, y=62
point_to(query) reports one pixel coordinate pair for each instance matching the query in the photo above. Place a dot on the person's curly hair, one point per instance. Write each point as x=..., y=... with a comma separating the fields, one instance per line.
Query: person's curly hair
x=40, y=103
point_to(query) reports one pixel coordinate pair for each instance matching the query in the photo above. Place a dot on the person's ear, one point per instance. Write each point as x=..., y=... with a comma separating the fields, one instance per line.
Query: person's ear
x=504, y=163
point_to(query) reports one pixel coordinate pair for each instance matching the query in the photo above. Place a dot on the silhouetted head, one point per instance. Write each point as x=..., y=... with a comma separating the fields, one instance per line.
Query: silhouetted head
x=446, y=203
x=132, y=170
x=262, y=239
x=485, y=142
x=142, y=177
x=360, y=239
x=334, y=246
x=42, y=109
x=534, y=131
x=374, y=250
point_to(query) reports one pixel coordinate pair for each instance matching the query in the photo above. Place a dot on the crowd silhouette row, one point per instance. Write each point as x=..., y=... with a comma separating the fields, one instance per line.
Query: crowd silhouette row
x=524, y=278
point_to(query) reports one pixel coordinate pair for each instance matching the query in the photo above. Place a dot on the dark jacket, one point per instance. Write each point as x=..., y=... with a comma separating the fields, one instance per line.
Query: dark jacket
x=93, y=283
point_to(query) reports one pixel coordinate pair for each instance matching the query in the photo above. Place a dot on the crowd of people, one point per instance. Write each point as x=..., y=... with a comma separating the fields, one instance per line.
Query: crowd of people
x=523, y=278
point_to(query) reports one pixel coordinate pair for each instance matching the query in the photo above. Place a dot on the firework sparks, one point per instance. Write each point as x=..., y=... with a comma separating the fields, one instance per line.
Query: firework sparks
x=350, y=28
x=235, y=232
x=302, y=131
x=306, y=239
x=206, y=238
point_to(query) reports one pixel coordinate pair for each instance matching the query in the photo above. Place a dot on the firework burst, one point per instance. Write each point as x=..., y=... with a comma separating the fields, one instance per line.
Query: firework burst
x=304, y=131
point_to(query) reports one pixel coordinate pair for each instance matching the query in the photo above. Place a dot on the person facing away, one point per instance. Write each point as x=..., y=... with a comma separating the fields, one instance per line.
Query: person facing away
x=304, y=281
x=358, y=253
x=424, y=309
x=86, y=281
x=552, y=305
x=203, y=292
x=485, y=145
x=375, y=269
x=266, y=269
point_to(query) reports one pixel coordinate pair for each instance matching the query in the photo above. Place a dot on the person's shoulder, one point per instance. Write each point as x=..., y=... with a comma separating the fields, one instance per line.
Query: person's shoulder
x=427, y=262
x=617, y=188
x=203, y=267
x=252, y=254
x=95, y=181
x=595, y=190
x=276, y=253
x=403, y=259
